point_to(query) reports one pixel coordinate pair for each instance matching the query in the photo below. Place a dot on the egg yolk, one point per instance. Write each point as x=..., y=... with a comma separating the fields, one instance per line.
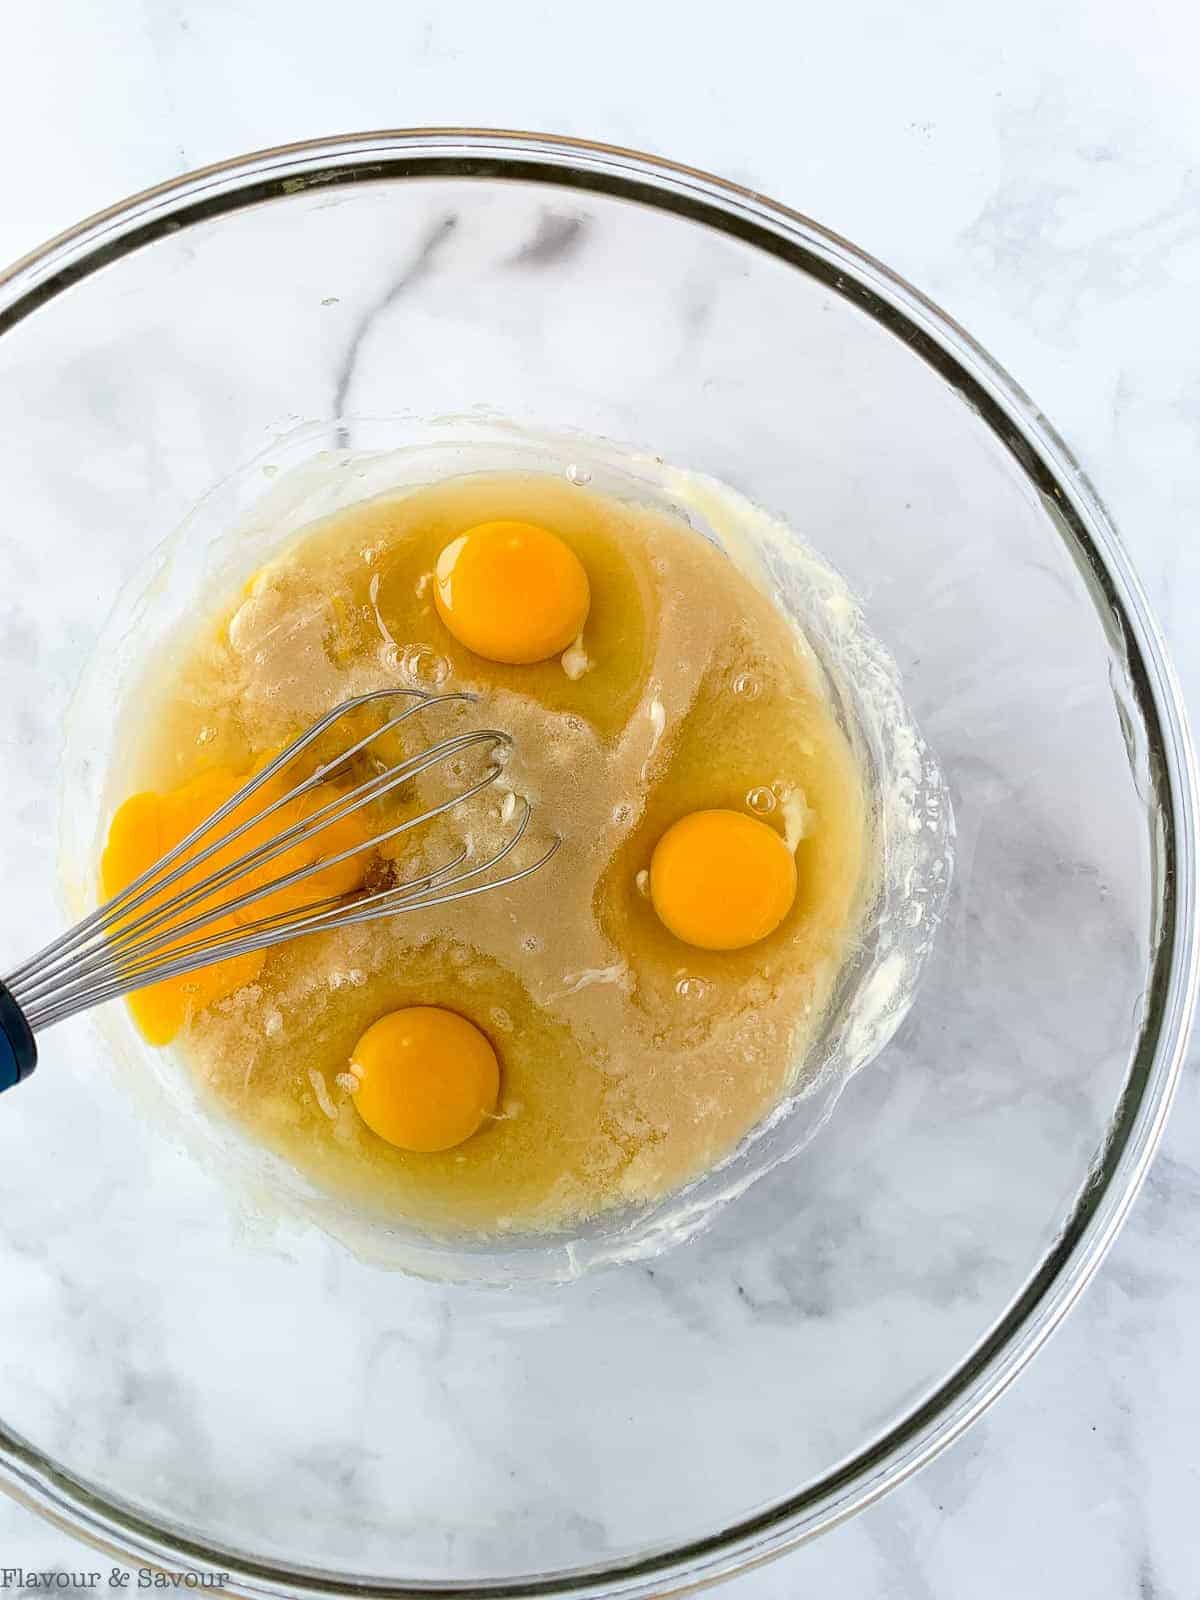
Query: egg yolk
x=427, y=1078
x=148, y=825
x=512, y=592
x=721, y=880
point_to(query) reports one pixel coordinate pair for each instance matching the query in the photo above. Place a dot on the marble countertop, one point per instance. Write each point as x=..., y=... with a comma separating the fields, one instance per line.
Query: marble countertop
x=1035, y=169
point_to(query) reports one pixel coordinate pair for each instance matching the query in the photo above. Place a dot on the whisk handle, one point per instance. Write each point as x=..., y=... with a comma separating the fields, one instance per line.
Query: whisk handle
x=18, y=1051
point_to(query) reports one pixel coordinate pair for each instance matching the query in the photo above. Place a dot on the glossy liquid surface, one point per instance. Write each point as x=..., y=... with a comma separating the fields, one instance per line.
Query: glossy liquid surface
x=630, y=1061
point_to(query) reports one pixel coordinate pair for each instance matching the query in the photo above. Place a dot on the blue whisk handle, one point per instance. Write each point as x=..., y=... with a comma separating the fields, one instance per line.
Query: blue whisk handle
x=18, y=1051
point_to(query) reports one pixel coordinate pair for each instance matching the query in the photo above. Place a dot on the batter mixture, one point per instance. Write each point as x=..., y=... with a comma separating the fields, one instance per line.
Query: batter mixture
x=612, y=1026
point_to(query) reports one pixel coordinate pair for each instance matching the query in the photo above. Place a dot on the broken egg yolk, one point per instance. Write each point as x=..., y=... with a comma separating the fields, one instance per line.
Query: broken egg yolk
x=721, y=880
x=512, y=592
x=149, y=825
x=427, y=1078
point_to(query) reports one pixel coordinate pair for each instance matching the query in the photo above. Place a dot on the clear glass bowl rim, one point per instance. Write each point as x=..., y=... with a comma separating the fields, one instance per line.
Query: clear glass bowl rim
x=390, y=155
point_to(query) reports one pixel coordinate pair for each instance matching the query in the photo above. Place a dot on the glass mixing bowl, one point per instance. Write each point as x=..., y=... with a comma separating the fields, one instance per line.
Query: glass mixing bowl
x=190, y=1391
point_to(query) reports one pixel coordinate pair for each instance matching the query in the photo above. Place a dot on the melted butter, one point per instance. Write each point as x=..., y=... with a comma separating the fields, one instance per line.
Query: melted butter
x=630, y=1061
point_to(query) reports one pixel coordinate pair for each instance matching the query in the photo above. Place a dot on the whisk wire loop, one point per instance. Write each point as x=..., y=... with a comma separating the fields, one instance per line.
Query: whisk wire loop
x=136, y=938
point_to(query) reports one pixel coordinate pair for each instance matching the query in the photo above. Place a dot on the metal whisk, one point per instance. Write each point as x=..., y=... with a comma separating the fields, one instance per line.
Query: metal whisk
x=138, y=938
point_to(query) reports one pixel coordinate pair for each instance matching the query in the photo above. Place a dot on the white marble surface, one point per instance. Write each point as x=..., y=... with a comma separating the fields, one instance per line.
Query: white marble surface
x=1034, y=170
